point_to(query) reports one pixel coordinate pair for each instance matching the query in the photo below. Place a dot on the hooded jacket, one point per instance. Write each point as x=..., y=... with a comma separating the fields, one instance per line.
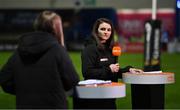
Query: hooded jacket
x=39, y=72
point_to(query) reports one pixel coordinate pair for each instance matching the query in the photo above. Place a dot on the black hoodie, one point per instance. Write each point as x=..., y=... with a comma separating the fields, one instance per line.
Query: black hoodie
x=39, y=72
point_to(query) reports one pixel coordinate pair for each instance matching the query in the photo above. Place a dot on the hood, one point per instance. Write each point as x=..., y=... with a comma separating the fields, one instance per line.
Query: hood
x=100, y=46
x=33, y=45
x=89, y=41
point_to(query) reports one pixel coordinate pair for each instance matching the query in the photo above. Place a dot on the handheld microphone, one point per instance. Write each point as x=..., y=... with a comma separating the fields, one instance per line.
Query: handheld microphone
x=116, y=51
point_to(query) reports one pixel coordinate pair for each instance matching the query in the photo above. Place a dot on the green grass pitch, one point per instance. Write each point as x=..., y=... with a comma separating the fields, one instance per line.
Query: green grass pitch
x=169, y=63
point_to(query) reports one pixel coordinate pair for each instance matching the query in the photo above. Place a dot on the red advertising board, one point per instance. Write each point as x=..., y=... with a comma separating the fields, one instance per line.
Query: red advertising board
x=131, y=26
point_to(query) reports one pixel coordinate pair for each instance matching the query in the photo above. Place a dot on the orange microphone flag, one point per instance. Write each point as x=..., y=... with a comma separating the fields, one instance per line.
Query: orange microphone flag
x=116, y=50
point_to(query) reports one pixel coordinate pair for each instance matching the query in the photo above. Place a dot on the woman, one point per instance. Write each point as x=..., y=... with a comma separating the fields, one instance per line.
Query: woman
x=37, y=71
x=99, y=63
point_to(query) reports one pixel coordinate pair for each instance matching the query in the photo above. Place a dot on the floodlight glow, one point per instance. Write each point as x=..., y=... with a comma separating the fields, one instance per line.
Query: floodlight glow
x=178, y=4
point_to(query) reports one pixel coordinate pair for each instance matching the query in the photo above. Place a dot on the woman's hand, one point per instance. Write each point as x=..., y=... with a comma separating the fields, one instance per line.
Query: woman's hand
x=134, y=70
x=114, y=67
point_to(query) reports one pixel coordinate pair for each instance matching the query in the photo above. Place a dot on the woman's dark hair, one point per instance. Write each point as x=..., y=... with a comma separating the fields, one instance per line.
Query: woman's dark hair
x=110, y=41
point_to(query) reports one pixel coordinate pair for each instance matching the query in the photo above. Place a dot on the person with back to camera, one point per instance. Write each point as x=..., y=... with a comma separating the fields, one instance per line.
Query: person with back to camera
x=40, y=71
x=99, y=63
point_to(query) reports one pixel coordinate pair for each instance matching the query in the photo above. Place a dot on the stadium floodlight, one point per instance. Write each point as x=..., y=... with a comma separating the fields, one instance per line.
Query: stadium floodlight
x=178, y=4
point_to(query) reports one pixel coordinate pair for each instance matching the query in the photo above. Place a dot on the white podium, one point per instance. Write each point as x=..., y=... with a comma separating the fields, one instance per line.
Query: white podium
x=101, y=91
x=149, y=78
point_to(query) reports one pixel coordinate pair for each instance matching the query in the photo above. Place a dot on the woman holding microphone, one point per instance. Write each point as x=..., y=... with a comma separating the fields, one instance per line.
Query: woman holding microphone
x=98, y=62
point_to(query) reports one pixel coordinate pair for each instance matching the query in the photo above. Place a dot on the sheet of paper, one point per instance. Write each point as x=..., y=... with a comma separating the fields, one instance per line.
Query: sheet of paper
x=93, y=81
x=153, y=72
